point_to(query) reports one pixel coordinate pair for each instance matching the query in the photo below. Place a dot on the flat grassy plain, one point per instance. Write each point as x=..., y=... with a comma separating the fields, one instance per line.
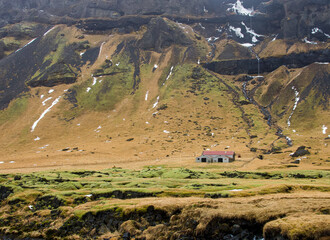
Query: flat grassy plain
x=162, y=202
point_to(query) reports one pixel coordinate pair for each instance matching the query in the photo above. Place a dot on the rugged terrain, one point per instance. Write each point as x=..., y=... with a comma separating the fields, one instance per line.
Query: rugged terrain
x=102, y=84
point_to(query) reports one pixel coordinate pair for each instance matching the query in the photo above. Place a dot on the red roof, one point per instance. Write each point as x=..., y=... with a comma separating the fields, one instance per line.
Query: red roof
x=218, y=153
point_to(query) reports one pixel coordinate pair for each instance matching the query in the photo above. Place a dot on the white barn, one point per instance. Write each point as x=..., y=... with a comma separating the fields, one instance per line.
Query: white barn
x=216, y=157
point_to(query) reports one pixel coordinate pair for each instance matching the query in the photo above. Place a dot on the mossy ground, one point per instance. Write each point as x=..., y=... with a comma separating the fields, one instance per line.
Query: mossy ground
x=65, y=198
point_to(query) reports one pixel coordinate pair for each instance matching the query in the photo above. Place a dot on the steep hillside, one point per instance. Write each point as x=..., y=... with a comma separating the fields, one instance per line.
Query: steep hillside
x=143, y=88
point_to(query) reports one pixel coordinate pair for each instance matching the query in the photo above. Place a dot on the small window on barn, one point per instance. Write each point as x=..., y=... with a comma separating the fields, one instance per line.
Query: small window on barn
x=203, y=159
x=220, y=159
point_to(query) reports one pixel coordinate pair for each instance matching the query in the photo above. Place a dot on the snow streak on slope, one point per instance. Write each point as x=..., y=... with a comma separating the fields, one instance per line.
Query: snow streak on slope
x=156, y=103
x=44, y=113
x=26, y=45
x=146, y=97
x=101, y=50
x=297, y=98
x=49, y=30
x=239, y=9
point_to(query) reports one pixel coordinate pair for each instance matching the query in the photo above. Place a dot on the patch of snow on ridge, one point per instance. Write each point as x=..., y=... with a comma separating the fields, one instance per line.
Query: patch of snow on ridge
x=309, y=42
x=250, y=31
x=205, y=10
x=239, y=9
x=88, y=89
x=247, y=45
x=201, y=26
x=297, y=98
x=37, y=139
x=49, y=30
x=324, y=129
x=316, y=30
x=44, y=113
x=165, y=131
x=50, y=91
x=156, y=103
x=26, y=45
x=237, y=31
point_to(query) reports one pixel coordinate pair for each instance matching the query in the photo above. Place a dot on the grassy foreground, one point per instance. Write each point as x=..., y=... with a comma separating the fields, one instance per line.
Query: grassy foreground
x=159, y=202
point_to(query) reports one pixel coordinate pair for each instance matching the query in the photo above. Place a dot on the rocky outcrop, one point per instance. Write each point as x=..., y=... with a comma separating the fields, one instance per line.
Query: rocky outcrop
x=250, y=66
x=5, y=192
x=57, y=74
x=162, y=33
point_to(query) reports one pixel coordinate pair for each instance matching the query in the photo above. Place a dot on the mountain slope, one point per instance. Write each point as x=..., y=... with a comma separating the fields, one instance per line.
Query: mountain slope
x=150, y=89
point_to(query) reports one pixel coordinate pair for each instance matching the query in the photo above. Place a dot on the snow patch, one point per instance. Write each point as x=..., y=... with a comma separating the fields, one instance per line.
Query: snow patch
x=316, y=30
x=37, y=139
x=94, y=81
x=325, y=63
x=165, y=131
x=117, y=64
x=155, y=66
x=169, y=75
x=309, y=42
x=42, y=96
x=201, y=26
x=50, y=91
x=44, y=146
x=45, y=112
x=12, y=162
x=239, y=9
x=49, y=30
x=100, y=50
x=297, y=98
x=237, y=31
x=46, y=100
x=198, y=61
x=156, y=103
x=324, y=129
x=147, y=123
x=31, y=207
x=205, y=10
x=2, y=162
x=212, y=39
x=89, y=195
x=251, y=31
x=248, y=45
x=88, y=89
x=274, y=38
x=98, y=129
x=236, y=190
x=26, y=45
x=146, y=97
x=82, y=53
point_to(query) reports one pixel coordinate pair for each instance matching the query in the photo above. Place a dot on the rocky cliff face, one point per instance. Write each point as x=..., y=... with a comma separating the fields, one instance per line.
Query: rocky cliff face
x=295, y=17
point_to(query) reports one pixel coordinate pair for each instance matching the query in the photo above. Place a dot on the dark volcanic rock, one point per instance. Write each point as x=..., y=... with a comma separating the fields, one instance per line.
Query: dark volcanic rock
x=250, y=66
x=5, y=192
x=163, y=33
x=301, y=151
x=48, y=202
x=60, y=73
